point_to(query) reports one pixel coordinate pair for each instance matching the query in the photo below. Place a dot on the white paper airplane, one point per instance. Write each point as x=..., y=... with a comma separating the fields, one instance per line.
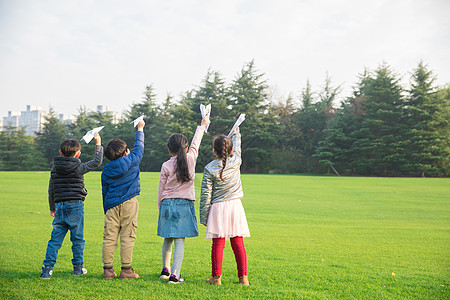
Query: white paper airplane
x=135, y=122
x=237, y=124
x=90, y=134
x=205, y=110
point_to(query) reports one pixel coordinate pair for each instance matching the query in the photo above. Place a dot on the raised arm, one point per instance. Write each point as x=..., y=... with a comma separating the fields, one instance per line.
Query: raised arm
x=195, y=144
x=205, y=196
x=138, y=150
x=92, y=164
x=98, y=157
x=236, y=143
x=197, y=139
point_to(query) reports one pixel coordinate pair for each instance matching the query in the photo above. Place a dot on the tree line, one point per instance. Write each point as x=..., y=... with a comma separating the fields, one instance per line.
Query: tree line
x=381, y=129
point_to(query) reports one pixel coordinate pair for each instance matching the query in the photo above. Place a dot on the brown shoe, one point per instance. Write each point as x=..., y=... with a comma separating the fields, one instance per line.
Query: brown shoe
x=216, y=280
x=128, y=273
x=109, y=273
x=244, y=280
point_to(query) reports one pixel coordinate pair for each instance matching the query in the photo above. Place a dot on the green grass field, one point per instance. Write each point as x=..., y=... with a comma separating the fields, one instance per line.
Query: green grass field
x=312, y=237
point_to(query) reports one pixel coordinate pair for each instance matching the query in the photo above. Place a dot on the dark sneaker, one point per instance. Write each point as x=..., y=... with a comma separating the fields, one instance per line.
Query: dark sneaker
x=173, y=279
x=165, y=273
x=47, y=272
x=79, y=270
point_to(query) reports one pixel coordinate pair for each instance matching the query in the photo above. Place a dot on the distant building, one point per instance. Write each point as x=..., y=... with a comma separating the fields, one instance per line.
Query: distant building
x=67, y=119
x=116, y=116
x=32, y=119
x=11, y=120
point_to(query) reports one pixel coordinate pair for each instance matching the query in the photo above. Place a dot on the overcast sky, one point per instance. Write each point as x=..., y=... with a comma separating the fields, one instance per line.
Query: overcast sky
x=68, y=54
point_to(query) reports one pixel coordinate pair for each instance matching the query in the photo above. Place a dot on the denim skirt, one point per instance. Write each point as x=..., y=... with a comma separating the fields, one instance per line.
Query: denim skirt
x=177, y=219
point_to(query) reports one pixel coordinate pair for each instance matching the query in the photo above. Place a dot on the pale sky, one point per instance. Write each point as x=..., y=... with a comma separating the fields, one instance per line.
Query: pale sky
x=68, y=54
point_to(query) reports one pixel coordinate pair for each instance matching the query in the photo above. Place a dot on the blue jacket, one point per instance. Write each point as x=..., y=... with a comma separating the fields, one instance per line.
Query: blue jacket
x=120, y=177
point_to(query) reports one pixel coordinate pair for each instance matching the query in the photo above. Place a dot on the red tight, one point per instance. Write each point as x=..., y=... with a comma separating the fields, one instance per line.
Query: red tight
x=237, y=243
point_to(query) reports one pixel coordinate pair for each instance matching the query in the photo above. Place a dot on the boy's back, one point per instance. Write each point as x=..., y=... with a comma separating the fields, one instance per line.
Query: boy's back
x=66, y=194
x=120, y=186
x=120, y=177
x=67, y=180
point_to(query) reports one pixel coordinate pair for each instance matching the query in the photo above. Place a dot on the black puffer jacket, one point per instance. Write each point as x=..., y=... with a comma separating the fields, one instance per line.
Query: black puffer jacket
x=67, y=180
x=68, y=184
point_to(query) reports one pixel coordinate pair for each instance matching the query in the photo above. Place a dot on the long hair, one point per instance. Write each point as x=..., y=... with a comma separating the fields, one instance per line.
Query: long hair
x=177, y=144
x=222, y=148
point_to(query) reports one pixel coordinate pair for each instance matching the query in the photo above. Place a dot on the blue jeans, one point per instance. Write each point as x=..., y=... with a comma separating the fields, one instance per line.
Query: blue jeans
x=68, y=216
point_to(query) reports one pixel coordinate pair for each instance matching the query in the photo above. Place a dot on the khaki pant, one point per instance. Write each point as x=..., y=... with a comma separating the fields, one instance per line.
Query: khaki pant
x=120, y=220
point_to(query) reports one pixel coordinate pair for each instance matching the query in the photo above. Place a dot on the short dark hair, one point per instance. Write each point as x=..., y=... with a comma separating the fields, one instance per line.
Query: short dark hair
x=116, y=148
x=70, y=147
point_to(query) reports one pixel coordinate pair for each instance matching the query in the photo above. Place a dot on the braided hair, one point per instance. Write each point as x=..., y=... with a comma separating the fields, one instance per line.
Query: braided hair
x=223, y=146
x=177, y=144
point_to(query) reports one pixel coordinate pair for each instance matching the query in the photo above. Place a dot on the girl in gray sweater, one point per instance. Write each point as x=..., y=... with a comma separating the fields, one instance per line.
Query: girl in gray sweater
x=221, y=208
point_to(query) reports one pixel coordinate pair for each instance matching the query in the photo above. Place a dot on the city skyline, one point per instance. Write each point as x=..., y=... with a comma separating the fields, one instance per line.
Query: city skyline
x=33, y=118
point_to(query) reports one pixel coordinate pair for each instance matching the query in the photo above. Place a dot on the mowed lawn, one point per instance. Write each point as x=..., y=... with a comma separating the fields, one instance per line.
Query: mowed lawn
x=312, y=237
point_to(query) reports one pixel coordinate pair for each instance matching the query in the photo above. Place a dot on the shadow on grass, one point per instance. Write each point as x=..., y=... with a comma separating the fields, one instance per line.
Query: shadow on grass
x=67, y=275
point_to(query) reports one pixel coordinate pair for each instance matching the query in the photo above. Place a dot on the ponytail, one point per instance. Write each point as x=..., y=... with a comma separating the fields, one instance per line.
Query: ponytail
x=177, y=144
x=222, y=147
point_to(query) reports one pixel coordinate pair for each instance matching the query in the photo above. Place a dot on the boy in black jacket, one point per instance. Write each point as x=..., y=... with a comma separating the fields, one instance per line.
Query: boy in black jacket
x=66, y=194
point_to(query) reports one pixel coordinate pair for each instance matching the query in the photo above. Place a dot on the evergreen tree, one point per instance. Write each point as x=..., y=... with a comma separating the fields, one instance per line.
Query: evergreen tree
x=212, y=91
x=248, y=94
x=382, y=129
x=307, y=97
x=329, y=93
x=428, y=125
x=443, y=117
x=337, y=149
x=109, y=131
x=308, y=120
x=312, y=120
x=52, y=135
x=84, y=122
x=155, y=130
x=287, y=157
x=18, y=151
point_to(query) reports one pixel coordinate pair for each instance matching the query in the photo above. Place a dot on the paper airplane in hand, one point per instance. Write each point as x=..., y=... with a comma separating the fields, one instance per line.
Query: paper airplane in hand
x=90, y=134
x=205, y=110
x=237, y=124
x=135, y=122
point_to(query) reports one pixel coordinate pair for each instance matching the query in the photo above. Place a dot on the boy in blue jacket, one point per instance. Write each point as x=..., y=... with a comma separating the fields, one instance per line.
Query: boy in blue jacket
x=120, y=186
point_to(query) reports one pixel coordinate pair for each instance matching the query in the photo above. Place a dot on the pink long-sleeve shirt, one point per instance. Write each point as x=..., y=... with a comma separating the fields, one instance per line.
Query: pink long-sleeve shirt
x=169, y=186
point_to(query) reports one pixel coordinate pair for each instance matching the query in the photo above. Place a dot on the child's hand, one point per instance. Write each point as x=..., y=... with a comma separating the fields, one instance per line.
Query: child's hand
x=141, y=125
x=97, y=139
x=206, y=120
x=52, y=213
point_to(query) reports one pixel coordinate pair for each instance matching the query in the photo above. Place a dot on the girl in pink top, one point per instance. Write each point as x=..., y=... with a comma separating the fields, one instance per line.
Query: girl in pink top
x=176, y=196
